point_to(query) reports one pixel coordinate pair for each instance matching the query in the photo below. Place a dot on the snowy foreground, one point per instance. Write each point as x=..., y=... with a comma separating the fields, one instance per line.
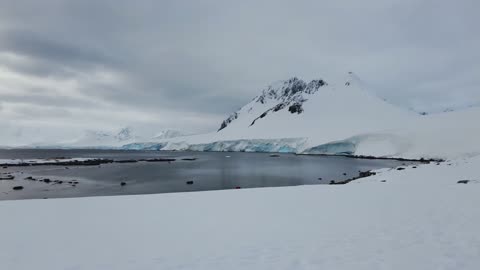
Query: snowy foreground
x=420, y=218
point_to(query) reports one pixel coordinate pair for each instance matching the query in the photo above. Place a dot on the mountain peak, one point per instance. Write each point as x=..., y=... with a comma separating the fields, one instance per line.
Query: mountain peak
x=291, y=94
x=288, y=89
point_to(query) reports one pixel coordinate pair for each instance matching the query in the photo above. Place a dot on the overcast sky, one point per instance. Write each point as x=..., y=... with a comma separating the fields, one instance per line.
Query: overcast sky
x=94, y=64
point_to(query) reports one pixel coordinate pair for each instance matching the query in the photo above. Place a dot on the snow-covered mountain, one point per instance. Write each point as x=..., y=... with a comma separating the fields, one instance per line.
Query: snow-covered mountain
x=294, y=108
x=333, y=117
x=104, y=139
x=293, y=115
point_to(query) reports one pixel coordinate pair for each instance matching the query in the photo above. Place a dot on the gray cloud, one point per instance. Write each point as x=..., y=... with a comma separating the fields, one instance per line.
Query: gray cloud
x=174, y=59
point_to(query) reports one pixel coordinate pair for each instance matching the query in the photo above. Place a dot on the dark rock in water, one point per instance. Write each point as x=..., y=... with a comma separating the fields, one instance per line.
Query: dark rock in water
x=344, y=173
x=189, y=182
x=238, y=187
x=18, y=188
x=189, y=159
x=66, y=168
x=29, y=178
x=47, y=180
x=400, y=169
x=320, y=178
x=123, y=184
x=463, y=182
x=414, y=167
x=74, y=185
x=332, y=182
x=274, y=155
x=5, y=167
x=383, y=181
x=160, y=160
x=126, y=161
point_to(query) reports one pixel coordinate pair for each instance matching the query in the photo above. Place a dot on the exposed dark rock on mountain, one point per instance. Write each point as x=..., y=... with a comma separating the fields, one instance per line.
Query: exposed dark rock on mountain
x=289, y=94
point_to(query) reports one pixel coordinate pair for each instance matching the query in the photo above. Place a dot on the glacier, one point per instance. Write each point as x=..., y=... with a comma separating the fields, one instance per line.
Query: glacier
x=285, y=145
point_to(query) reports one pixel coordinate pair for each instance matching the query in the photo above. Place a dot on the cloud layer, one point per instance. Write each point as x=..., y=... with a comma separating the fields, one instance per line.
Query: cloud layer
x=186, y=64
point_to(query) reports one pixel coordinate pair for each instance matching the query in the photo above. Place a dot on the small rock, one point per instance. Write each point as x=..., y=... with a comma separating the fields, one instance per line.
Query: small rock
x=320, y=178
x=383, y=181
x=463, y=182
x=189, y=182
x=189, y=159
x=237, y=187
x=18, y=188
x=344, y=173
x=414, y=167
x=400, y=169
x=47, y=180
x=123, y=184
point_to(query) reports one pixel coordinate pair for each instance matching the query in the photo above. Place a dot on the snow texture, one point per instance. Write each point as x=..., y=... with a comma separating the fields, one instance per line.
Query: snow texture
x=418, y=219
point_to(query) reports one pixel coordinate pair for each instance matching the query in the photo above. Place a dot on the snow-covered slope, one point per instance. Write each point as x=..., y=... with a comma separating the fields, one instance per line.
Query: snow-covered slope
x=168, y=134
x=444, y=135
x=417, y=219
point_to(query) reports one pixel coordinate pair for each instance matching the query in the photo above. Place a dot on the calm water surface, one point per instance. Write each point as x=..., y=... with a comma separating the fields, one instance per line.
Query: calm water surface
x=211, y=171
